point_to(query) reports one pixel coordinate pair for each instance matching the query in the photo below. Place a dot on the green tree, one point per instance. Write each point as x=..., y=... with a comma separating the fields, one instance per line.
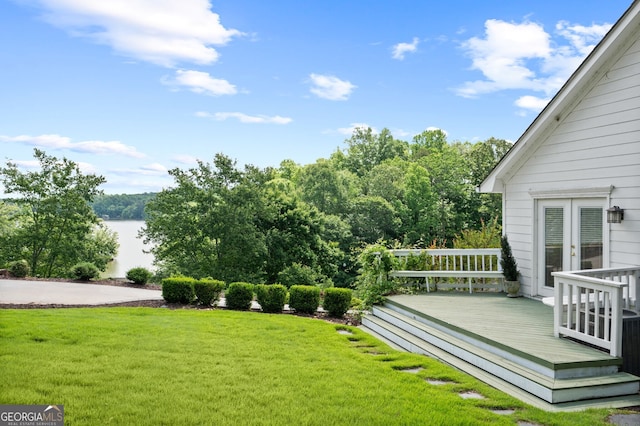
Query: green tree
x=59, y=223
x=327, y=188
x=366, y=150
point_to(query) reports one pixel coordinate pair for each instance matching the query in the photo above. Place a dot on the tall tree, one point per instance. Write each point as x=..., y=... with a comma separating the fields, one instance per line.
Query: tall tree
x=366, y=149
x=59, y=221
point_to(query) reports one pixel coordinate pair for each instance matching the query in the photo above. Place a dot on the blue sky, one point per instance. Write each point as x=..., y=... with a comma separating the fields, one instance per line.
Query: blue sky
x=132, y=88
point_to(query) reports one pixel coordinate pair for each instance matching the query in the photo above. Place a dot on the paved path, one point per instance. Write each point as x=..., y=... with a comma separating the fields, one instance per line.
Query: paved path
x=63, y=293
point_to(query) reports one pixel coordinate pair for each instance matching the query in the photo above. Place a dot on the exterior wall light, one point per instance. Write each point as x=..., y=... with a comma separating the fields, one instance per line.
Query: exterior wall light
x=615, y=215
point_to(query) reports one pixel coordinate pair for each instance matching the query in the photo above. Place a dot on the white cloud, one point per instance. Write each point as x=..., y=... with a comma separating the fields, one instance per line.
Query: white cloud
x=244, y=118
x=330, y=87
x=58, y=142
x=201, y=82
x=348, y=131
x=525, y=56
x=531, y=103
x=163, y=32
x=400, y=49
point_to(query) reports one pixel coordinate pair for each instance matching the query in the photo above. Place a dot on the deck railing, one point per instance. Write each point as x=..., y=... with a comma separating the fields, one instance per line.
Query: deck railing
x=589, y=305
x=452, y=268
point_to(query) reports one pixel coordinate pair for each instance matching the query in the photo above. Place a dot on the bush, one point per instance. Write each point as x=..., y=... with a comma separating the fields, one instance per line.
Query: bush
x=337, y=301
x=271, y=297
x=208, y=290
x=139, y=275
x=239, y=296
x=297, y=274
x=85, y=271
x=178, y=290
x=19, y=268
x=304, y=298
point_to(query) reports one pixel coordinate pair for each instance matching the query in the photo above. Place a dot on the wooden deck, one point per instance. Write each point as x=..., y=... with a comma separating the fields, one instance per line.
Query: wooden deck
x=508, y=343
x=519, y=325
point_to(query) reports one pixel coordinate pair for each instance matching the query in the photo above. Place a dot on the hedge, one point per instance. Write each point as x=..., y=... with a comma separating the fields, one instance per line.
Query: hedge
x=178, y=289
x=139, y=275
x=208, y=290
x=239, y=296
x=271, y=297
x=337, y=301
x=304, y=298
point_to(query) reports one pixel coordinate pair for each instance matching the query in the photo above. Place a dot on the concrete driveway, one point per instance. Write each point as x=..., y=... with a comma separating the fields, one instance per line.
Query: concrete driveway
x=23, y=292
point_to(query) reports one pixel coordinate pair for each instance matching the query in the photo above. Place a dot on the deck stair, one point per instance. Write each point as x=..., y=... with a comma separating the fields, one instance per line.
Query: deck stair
x=584, y=375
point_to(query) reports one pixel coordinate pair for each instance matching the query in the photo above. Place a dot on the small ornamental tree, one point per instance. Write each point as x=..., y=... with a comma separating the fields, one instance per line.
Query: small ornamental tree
x=507, y=261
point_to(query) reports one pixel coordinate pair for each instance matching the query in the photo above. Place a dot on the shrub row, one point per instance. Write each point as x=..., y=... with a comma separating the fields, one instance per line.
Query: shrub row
x=186, y=289
x=302, y=298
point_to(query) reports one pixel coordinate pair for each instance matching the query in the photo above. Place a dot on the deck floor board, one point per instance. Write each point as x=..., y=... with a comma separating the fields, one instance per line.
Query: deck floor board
x=525, y=325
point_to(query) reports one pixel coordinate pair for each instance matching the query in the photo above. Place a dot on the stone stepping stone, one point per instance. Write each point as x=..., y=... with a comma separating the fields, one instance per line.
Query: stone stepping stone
x=412, y=370
x=437, y=382
x=471, y=395
x=345, y=332
x=503, y=412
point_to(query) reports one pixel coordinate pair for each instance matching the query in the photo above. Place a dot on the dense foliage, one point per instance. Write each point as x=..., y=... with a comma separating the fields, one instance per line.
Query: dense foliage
x=121, y=206
x=50, y=223
x=307, y=224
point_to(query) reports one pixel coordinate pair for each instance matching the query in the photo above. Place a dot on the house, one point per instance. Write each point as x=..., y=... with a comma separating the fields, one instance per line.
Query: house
x=579, y=158
x=577, y=163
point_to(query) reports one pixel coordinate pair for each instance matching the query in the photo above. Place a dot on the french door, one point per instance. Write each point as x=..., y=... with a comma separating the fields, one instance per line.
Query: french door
x=570, y=235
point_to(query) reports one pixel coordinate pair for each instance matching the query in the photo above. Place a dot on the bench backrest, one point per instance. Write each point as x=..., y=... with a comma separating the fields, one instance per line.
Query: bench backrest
x=485, y=260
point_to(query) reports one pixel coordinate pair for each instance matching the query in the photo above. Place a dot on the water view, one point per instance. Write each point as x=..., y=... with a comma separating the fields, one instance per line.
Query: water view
x=131, y=251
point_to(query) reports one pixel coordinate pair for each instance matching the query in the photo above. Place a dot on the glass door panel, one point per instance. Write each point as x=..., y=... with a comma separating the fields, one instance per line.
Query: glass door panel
x=591, y=241
x=553, y=242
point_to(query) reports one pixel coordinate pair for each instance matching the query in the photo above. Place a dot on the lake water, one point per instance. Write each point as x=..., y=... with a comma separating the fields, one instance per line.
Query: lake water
x=130, y=252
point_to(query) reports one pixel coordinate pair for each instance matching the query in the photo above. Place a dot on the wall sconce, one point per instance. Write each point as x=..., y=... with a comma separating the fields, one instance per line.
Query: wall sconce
x=615, y=215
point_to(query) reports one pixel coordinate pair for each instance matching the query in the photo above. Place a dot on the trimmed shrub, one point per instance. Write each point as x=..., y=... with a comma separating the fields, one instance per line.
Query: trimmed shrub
x=85, y=271
x=304, y=298
x=178, y=290
x=139, y=275
x=337, y=301
x=271, y=297
x=239, y=296
x=208, y=290
x=19, y=268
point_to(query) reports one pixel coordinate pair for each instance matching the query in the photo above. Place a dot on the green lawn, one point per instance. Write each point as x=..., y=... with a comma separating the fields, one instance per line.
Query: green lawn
x=157, y=366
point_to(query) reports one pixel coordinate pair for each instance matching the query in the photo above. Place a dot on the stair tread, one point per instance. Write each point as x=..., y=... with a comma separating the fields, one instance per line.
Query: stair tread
x=523, y=371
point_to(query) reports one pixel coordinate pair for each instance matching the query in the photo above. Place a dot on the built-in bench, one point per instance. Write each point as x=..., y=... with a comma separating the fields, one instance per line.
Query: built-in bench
x=475, y=269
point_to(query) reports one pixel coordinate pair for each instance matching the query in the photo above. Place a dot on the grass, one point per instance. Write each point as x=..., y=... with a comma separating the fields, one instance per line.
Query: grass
x=158, y=366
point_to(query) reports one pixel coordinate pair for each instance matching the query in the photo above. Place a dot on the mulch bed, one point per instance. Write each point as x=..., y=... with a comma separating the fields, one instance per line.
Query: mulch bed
x=346, y=320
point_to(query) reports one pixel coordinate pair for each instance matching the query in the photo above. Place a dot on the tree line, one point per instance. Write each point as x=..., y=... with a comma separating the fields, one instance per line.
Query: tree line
x=300, y=224
x=307, y=223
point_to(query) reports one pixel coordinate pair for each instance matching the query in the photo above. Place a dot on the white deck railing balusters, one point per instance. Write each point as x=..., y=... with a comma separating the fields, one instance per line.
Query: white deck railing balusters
x=589, y=305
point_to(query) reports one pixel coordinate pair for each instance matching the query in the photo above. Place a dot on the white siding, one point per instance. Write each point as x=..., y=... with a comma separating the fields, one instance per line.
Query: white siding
x=597, y=144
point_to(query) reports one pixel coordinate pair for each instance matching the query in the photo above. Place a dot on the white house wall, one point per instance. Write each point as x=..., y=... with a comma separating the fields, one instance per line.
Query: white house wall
x=595, y=145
